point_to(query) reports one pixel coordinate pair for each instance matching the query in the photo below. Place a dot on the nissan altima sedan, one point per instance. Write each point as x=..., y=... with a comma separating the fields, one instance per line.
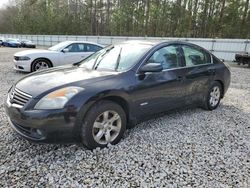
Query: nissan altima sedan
x=96, y=100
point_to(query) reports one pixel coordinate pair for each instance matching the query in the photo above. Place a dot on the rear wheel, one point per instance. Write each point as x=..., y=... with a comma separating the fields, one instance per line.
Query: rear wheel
x=40, y=64
x=104, y=124
x=213, y=96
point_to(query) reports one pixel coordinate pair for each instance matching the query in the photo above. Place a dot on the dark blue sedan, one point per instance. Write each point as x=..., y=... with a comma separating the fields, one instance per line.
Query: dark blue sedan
x=15, y=43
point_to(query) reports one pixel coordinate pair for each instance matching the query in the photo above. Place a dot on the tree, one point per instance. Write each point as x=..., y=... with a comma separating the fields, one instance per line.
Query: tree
x=170, y=18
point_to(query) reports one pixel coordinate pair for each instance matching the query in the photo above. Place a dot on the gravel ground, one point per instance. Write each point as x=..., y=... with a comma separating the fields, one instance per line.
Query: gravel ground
x=185, y=148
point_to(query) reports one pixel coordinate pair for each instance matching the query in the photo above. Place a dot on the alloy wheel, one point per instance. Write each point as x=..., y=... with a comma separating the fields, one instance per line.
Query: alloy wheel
x=41, y=65
x=107, y=127
x=214, y=96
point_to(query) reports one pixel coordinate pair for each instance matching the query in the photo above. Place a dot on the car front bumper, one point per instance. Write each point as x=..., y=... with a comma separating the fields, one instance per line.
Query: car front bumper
x=24, y=66
x=47, y=126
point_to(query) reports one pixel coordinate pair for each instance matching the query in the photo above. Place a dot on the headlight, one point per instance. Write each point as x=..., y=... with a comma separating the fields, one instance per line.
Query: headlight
x=23, y=58
x=58, y=98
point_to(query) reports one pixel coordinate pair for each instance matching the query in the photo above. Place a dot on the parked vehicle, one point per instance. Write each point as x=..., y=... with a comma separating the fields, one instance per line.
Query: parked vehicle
x=243, y=58
x=27, y=44
x=1, y=41
x=15, y=43
x=67, y=52
x=95, y=100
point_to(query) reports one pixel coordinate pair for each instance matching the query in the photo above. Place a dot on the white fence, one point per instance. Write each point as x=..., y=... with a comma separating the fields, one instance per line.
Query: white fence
x=222, y=48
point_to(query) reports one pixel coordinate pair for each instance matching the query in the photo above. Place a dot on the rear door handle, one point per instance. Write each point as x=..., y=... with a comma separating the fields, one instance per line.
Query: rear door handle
x=179, y=78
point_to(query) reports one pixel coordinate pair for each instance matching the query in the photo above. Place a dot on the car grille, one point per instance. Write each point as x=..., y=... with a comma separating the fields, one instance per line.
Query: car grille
x=18, y=97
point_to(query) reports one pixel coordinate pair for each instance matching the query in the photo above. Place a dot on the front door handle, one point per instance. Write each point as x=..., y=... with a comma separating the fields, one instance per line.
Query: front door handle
x=211, y=71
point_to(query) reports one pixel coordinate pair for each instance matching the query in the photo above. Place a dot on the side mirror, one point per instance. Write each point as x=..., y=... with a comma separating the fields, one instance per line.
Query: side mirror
x=151, y=67
x=65, y=50
x=222, y=60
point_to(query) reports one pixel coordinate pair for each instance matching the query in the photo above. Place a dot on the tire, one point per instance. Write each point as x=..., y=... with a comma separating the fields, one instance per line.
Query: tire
x=213, y=97
x=43, y=63
x=96, y=132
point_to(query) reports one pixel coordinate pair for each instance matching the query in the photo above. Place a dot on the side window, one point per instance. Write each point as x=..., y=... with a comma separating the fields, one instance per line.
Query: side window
x=74, y=48
x=195, y=56
x=92, y=48
x=81, y=47
x=167, y=56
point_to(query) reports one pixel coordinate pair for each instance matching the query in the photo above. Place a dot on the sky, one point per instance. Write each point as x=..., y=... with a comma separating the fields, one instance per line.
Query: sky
x=3, y=2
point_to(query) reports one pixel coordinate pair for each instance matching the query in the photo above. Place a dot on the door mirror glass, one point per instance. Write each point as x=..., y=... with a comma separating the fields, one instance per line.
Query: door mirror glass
x=151, y=67
x=65, y=50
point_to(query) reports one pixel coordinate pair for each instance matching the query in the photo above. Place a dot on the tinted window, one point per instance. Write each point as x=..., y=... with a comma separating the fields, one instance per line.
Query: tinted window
x=81, y=47
x=215, y=59
x=75, y=48
x=195, y=56
x=92, y=48
x=167, y=57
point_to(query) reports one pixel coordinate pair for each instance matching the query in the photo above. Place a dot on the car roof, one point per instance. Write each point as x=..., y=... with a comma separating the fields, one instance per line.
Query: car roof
x=159, y=43
x=155, y=43
x=87, y=42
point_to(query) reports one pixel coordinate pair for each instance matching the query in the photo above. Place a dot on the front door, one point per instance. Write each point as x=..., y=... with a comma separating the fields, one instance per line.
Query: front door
x=75, y=53
x=160, y=91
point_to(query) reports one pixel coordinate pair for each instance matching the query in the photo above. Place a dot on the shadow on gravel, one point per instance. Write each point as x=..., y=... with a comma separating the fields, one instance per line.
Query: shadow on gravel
x=21, y=73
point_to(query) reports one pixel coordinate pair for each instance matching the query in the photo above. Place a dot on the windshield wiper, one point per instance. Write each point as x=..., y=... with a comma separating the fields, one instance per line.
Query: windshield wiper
x=118, y=60
x=96, y=64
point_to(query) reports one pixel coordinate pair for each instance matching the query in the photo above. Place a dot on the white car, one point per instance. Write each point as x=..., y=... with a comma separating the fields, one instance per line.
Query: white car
x=67, y=52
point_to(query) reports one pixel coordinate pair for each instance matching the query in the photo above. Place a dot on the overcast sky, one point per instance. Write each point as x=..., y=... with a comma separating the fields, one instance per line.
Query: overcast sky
x=3, y=2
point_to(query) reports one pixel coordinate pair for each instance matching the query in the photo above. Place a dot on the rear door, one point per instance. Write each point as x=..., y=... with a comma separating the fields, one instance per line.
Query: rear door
x=199, y=72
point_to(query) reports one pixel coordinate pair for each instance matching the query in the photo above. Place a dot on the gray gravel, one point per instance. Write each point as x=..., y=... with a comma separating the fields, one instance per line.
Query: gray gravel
x=185, y=148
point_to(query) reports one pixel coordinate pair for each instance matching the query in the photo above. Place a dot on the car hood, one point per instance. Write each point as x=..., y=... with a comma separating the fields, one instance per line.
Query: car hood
x=33, y=52
x=44, y=81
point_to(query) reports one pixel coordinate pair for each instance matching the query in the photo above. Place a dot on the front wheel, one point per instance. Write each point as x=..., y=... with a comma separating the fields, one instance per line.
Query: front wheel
x=40, y=64
x=105, y=123
x=213, y=96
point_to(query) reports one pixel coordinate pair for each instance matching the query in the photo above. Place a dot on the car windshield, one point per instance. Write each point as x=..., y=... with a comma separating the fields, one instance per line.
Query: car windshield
x=12, y=40
x=59, y=46
x=119, y=57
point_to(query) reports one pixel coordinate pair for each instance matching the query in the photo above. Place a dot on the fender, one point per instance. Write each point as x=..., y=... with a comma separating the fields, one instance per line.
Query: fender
x=119, y=96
